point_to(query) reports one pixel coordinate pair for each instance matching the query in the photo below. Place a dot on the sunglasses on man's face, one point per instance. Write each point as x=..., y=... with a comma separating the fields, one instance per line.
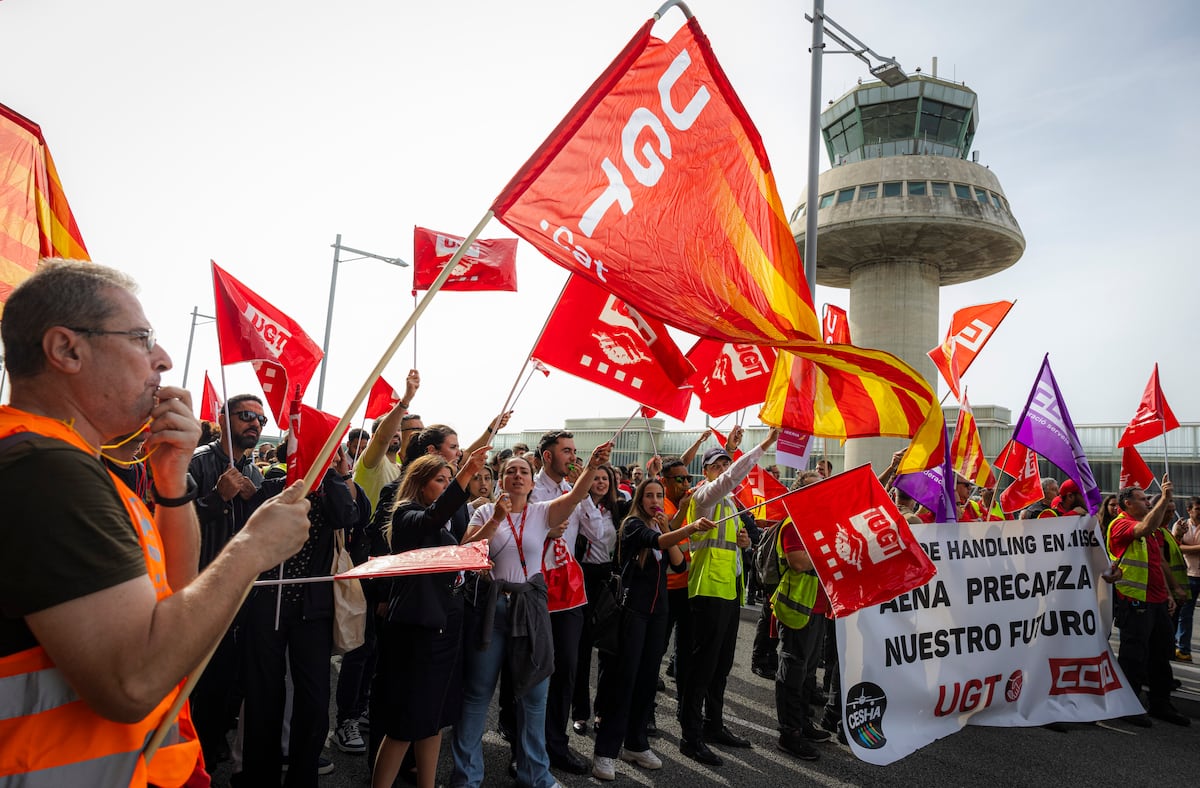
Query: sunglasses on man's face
x=248, y=416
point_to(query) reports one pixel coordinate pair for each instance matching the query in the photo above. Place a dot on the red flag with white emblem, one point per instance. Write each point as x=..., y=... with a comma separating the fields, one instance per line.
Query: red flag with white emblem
x=835, y=326
x=249, y=328
x=970, y=329
x=381, y=399
x=1134, y=469
x=1019, y=462
x=592, y=334
x=730, y=375
x=861, y=546
x=487, y=265
x=310, y=429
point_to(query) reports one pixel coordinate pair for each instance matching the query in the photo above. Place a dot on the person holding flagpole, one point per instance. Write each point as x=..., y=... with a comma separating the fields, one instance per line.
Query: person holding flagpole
x=716, y=585
x=512, y=598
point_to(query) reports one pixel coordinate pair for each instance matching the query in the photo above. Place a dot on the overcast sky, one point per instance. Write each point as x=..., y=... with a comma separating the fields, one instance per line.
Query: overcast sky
x=252, y=133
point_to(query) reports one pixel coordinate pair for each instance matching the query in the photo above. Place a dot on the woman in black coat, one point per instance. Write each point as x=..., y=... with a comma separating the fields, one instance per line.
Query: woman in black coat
x=419, y=678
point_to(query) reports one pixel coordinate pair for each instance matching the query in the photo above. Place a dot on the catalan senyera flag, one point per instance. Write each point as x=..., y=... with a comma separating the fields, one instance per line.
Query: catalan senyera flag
x=842, y=391
x=35, y=219
x=970, y=329
x=656, y=186
x=966, y=449
x=1153, y=416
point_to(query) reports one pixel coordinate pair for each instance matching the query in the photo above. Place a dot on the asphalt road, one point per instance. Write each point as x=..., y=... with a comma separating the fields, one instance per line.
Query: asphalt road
x=1102, y=754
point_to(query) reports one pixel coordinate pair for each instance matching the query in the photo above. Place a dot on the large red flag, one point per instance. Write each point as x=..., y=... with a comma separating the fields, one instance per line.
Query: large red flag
x=1019, y=462
x=861, y=546
x=1134, y=469
x=595, y=336
x=730, y=375
x=835, y=326
x=966, y=449
x=1153, y=417
x=381, y=399
x=657, y=187
x=970, y=329
x=210, y=403
x=310, y=429
x=249, y=328
x=487, y=265
x=35, y=219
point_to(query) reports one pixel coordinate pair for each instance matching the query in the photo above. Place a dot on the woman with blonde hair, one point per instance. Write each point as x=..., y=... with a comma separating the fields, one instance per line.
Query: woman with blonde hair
x=418, y=684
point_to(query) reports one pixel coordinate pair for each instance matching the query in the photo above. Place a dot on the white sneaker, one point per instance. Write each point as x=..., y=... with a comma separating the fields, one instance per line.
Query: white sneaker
x=646, y=759
x=348, y=739
x=604, y=768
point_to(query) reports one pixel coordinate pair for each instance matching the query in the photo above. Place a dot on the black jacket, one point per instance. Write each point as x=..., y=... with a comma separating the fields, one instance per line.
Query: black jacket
x=219, y=519
x=645, y=581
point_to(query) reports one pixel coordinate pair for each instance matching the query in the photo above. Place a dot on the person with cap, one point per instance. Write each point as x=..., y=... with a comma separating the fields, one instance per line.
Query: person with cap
x=968, y=509
x=1045, y=507
x=716, y=588
x=1069, y=501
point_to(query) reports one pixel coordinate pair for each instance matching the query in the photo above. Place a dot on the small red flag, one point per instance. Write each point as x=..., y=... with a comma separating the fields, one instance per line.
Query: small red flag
x=763, y=487
x=594, y=335
x=1134, y=469
x=424, y=561
x=729, y=375
x=1153, y=417
x=310, y=429
x=540, y=367
x=249, y=328
x=835, y=326
x=487, y=265
x=861, y=546
x=970, y=329
x=648, y=413
x=381, y=399
x=1019, y=462
x=210, y=403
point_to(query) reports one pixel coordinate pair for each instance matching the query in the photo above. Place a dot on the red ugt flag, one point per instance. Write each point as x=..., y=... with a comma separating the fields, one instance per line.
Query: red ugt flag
x=593, y=335
x=381, y=399
x=835, y=326
x=1153, y=417
x=730, y=376
x=970, y=329
x=1134, y=469
x=249, y=328
x=861, y=546
x=487, y=265
x=210, y=403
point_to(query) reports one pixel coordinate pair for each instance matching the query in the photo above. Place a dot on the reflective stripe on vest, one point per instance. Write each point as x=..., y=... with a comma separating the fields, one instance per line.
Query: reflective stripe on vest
x=52, y=738
x=1178, y=567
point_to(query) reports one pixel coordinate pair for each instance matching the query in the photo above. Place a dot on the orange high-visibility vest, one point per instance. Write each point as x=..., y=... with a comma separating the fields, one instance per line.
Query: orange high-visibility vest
x=48, y=735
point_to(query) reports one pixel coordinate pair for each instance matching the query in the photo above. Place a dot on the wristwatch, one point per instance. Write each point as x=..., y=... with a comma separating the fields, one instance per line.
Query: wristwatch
x=189, y=496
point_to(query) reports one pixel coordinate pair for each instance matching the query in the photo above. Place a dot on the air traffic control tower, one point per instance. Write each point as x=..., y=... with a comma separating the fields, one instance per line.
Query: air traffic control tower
x=905, y=209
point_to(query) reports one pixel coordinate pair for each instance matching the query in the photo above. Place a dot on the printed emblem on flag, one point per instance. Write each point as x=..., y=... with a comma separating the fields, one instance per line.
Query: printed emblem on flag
x=873, y=534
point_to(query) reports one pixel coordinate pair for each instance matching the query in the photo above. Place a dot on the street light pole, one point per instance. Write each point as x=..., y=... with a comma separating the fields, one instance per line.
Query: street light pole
x=187, y=362
x=338, y=248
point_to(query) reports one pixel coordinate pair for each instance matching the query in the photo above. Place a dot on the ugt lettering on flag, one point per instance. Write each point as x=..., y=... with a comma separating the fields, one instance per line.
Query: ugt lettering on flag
x=487, y=265
x=656, y=174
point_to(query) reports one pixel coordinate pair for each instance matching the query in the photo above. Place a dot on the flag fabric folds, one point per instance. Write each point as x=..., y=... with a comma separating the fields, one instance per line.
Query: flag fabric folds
x=424, y=561
x=857, y=393
x=310, y=429
x=487, y=265
x=658, y=178
x=966, y=449
x=1020, y=463
x=730, y=375
x=933, y=488
x=381, y=399
x=1045, y=427
x=862, y=548
x=1153, y=417
x=210, y=403
x=249, y=328
x=835, y=326
x=763, y=487
x=35, y=219
x=1134, y=469
x=970, y=329
x=593, y=335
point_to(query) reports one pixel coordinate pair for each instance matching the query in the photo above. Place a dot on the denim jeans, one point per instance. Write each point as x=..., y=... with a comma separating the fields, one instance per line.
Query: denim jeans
x=1183, y=635
x=482, y=672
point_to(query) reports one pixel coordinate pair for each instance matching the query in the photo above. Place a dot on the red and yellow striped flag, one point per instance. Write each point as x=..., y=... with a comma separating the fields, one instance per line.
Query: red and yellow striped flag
x=842, y=391
x=35, y=219
x=656, y=186
x=966, y=449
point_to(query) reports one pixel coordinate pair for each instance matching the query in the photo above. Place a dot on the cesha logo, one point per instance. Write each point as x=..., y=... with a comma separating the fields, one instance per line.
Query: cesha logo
x=871, y=534
x=865, y=706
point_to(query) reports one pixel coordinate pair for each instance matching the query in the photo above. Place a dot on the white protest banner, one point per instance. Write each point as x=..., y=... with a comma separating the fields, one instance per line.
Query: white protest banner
x=1013, y=631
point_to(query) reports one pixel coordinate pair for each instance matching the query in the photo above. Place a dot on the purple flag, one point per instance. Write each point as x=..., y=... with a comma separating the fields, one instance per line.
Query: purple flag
x=933, y=489
x=1045, y=427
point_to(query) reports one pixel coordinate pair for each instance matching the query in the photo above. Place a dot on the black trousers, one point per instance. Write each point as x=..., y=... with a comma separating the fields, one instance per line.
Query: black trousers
x=594, y=577
x=566, y=626
x=798, y=650
x=1147, y=645
x=217, y=695
x=306, y=646
x=714, y=639
x=679, y=620
x=630, y=683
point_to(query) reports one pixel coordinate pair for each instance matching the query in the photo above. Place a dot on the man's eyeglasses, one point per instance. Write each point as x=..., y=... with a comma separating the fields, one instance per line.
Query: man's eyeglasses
x=145, y=335
x=679, y=479
x=248, y=416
